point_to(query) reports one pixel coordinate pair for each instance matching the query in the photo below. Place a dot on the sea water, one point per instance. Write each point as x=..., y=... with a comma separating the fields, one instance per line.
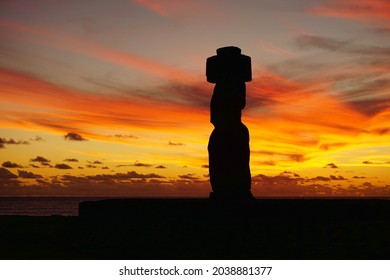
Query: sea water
x=42, y=206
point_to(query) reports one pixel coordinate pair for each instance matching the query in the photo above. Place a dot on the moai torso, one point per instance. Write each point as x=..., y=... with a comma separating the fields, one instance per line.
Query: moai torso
x=229, y=142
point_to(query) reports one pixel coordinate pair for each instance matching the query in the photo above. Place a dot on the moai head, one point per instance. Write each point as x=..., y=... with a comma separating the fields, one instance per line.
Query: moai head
x=229, y=65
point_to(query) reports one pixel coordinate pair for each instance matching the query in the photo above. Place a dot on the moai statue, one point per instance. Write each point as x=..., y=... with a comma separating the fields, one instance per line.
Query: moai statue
x=228, y=147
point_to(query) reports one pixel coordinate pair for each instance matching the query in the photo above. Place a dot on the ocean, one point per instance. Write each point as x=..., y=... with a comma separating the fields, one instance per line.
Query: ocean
x=42, y=206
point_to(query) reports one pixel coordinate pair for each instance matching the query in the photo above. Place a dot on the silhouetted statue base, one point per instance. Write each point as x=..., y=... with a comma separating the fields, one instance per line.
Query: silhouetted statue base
x=229, y=159
x=228, y=147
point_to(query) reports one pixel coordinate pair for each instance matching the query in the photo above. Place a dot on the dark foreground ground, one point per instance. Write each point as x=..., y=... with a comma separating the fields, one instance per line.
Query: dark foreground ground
x=200, y=229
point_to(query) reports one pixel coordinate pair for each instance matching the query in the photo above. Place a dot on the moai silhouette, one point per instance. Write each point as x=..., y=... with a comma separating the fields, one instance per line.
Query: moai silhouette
x=228, y=147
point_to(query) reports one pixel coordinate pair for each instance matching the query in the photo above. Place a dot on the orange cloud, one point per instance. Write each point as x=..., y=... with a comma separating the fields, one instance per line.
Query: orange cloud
x=299, y=121
x=64, y=110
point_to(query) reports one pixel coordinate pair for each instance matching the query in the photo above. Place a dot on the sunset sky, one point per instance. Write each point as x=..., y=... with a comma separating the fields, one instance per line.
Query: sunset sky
x=109, y=97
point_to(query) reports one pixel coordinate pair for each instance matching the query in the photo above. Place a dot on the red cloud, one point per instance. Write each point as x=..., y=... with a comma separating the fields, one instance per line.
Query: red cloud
x=363, y=10
x=167, y=8
x=74, y=44
x=64, y=114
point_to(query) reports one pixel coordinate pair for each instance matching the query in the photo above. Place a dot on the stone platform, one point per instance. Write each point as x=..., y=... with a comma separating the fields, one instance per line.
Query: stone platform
x=154, y=229
x=277, y=208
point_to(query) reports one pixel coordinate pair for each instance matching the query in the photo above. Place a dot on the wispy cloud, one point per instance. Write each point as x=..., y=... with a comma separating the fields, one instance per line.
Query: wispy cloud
x=373, y=11
x=4, y=141
x=75, y=44
x=71, y=160
x=169, y=8
x=62, y=114
x=330, y=44
x=175, y=143
x=274, y=49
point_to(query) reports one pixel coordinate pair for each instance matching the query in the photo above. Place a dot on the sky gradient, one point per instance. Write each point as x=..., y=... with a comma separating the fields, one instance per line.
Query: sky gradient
x=110, y=97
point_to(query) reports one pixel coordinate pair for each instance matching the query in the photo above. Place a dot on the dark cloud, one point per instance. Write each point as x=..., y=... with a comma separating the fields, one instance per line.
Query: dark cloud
x=325, y=179
x=96, y=162
x=297, y=157
x=313, y=41
x=381, y=131
x=160, y=167
x=33, y=165
x=279, y=180
x=334, y=45
x=287, y=156
x=337, y=178
x=175, y=144
x=290, y=184
x=368, y=184
x=136, y=184
x=377, y=163
x=289, y=173
x=53, y=124
x=72, y=136
x=262, y=152
x=267, y=162
x=28, y=175
x=90, y=166
x=359, y=177
x=37, y=139
x=63, y=166
x=189, y=177
x=8, y=181
x=372, y=89
x=4, y=141
x=126, y=176
x=46, y=164
x=124, y=136
x=105, y=167
x=331, y=165
x=71, y=160
x=139, y=164
x=195, y=94
x=130, y=183
x=40, y=159
x=321, y=178
x=205, y=166
x=329, y=146
x=6, y=174
x=9, y=164
x=11, y=141
x=385, y=31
